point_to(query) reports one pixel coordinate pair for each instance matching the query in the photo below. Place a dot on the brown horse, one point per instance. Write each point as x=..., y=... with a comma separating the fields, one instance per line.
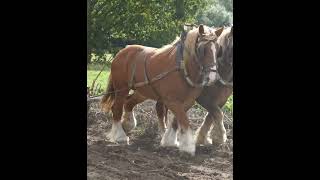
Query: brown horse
x=155, y=74
x=212, y=98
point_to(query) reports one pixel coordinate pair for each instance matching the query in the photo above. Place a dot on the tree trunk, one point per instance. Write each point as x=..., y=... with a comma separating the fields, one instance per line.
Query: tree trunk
x=90, y=4
x=179, y=9
x=88, y=53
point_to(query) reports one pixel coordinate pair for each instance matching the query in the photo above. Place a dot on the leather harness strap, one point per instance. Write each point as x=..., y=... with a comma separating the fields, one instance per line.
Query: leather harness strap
x=147, y=79
x=132, y=77
x=180, y=65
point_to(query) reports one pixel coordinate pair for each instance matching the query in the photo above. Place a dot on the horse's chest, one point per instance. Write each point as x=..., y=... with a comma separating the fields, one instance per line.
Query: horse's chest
x=182, y=94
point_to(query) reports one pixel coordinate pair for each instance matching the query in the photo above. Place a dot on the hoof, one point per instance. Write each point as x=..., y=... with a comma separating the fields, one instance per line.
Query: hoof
x=186, y=142
x=117, y=134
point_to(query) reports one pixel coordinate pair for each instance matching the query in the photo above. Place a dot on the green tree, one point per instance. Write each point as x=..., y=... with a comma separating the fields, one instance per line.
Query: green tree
x=112, y=24
x=217, y=13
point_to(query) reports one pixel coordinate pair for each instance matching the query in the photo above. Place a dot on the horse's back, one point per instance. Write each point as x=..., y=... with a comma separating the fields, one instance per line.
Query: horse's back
x=122, y=65
x=132, y=50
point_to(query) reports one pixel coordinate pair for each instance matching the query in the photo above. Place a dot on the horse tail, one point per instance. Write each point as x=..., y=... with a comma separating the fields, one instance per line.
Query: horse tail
x=108, y=99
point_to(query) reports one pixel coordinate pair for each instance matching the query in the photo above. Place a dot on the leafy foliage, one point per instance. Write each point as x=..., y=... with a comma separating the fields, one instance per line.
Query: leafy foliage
x=218, y=13
x=112, y=24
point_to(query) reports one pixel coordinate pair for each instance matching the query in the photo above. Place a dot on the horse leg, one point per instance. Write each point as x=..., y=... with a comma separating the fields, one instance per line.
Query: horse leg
x=169, y=137
x=202, y=132
x=129, y=121
x=184, y=135
x=162, y=116
x=117, y=133
x=218, y=133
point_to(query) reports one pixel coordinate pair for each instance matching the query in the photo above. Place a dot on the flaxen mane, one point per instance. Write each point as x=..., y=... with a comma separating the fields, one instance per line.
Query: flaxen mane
x=167, y=48
x=189, y=43
x=222, y=38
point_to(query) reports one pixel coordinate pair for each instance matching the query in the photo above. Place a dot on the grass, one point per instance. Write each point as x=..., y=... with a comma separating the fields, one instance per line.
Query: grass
x=92, y=72
x=95, y=58
x=228, y=107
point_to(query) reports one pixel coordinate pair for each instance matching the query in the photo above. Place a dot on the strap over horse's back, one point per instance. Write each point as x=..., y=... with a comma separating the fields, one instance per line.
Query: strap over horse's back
x=132, y=84
x=147, y=81
x=179, y=66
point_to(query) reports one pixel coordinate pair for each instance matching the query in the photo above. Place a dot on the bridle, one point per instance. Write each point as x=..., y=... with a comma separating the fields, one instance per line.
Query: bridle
x=200, y=44
x=219, y=64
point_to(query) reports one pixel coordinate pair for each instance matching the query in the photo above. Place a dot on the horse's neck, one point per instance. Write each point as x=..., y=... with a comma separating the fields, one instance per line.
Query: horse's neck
x=193, y=69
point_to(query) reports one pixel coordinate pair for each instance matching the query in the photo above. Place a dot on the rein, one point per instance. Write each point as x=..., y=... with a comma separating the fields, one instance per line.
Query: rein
x=222, y=81
x=219, y=78
x=180, y=65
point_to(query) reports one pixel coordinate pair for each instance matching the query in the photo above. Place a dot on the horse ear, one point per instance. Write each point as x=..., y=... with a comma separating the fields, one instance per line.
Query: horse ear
x=201, y=29
x=219, y=31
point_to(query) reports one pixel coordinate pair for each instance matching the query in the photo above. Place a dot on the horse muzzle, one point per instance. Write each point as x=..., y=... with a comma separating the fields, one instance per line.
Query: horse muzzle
x=210, y=75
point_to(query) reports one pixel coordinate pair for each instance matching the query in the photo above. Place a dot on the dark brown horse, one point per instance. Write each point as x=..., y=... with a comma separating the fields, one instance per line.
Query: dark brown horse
x=212, y=98
x=155, y=74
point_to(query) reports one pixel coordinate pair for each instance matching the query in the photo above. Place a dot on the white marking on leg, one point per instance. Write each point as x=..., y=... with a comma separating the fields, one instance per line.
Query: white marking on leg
x=218, y=133
x=186, y=142
x=169, y=138
x=202, y=138
x=202, y=134
x=117, y=134
x=162, y=127
x=129, y=121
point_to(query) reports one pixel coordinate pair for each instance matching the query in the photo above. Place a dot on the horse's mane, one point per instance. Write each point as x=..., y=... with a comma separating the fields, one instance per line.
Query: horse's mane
x=222, y=37
x=168, y=48
x=189, y=43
